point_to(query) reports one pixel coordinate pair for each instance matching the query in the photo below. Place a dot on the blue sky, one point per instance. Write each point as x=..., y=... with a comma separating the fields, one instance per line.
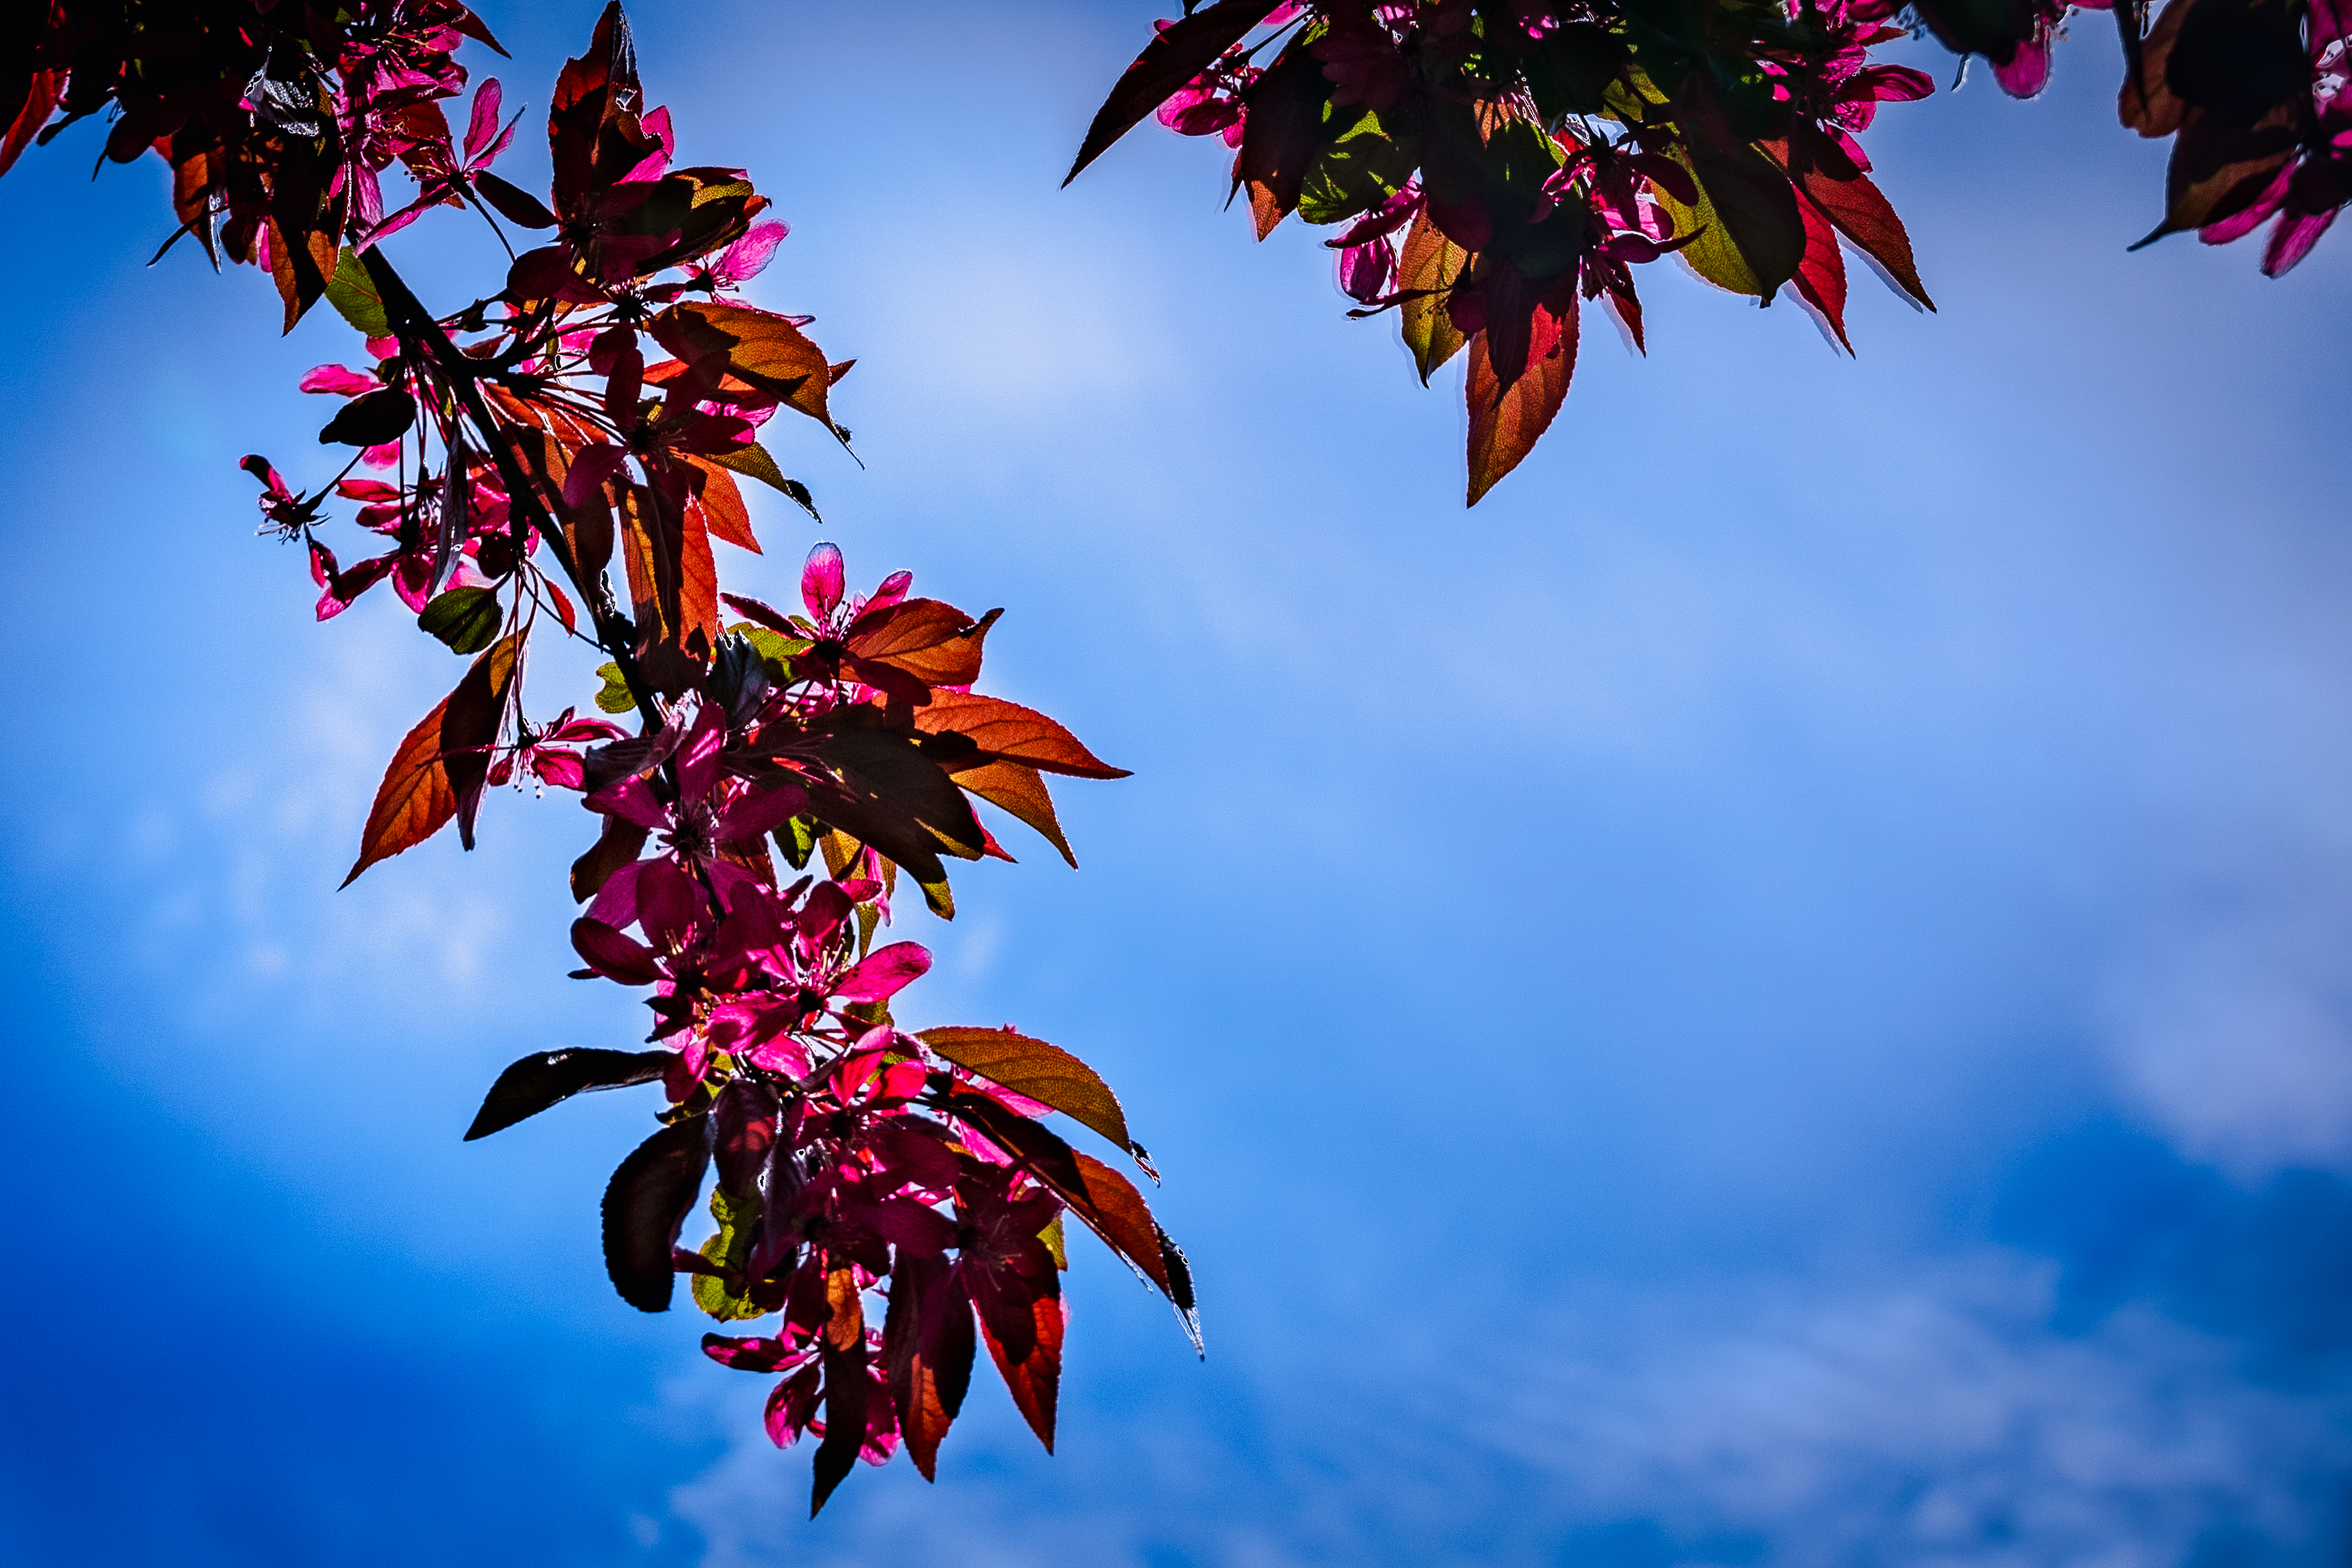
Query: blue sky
x=1776, y=995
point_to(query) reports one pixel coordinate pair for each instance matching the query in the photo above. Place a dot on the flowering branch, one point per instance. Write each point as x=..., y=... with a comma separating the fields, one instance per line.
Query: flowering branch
x=889, y=1199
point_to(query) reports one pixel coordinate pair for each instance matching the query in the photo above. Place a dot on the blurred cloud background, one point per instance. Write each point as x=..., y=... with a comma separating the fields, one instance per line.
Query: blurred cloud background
x=1779, y=993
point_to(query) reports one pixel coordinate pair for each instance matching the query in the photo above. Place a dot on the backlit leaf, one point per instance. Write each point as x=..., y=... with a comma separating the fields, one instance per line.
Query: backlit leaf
x=1431, y=263
x=1505, y=423
x=720, y=501
x=1016, y=734
x=762, y=350
x=467, y=619
x=442, y=762
x=1016, y=787
x=353, y=295
x=928, y=1344
x=1046, y=1073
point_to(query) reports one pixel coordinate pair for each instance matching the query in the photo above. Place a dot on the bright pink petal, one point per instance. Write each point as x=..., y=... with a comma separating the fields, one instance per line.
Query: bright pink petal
x=761, y=812
x=656, y=163
x=670, y=906
x=787, y=1056
x=892, y=592
x=828, y=905
x=2292, y=239
x=2028, y=71
x=616, y=901
x=883, y=973
x=614, y=954
x=747, y=257
x=633, y=800
x=339, y=381
x=697, y=758
x=821, y=581
x=560, y=768
x=594, y=466
x=482, y=126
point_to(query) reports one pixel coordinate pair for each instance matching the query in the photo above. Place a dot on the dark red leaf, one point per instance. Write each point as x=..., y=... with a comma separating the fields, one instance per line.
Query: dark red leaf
x=514, y=204
x=927, y=1349
x=1175, y=57
x=848, y=1386
x=646, y=1203
x=545, y=1078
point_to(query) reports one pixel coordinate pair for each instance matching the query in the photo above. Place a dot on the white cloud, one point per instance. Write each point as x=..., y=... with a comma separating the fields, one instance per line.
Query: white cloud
x=1931, y=1422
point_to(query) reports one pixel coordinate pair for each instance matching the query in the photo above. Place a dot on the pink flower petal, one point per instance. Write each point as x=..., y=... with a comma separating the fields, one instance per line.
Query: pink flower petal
x=614, y=954
x=594, y=466
x=632, y=799
x=670, y=906
x=821, y=581
x=482, y=125
x=339, y=379
x=616, y=901
x=698, y=757
x=883, y=973
x=747, y=257
x=761, y=812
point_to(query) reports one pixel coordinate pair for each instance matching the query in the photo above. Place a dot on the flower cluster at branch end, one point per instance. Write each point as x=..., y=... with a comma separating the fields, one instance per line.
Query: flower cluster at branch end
x=1502, y=163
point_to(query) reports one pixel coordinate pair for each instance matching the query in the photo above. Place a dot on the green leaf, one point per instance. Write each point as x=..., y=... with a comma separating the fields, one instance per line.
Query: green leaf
x=352, y=294
x=615, y=697
x=776, y=650
x=1052, y=1236
x=468, y=619
x=738, y=1220
x=1356, y=173
x=797, y=839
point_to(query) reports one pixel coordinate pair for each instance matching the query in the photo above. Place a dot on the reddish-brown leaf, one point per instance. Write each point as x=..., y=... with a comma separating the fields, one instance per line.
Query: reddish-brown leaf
x=618, y=846
x=1046, y=1073
x=646, y=1203
x=934, y=643
x=1104, y=1200
x=545, y=455
x=721, y=501
x=42, y=91
x=2147, y=103
x=841, y=1351
x=758, y=348
x=1829, y=181
x=1014, y=733
x=1035, y=1379
x=1505, y=423
x=673, y=581
x=1284, y=135
x=697, y=585
x=1018, y=788
x=439, y=759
